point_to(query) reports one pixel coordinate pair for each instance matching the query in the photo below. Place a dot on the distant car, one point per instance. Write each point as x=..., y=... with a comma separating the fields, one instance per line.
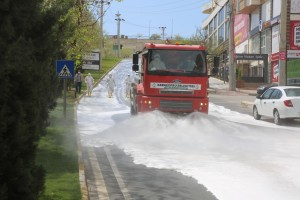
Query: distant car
x=280, y=102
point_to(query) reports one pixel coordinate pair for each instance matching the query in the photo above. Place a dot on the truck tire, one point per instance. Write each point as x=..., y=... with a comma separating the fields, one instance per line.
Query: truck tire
x=132, y=110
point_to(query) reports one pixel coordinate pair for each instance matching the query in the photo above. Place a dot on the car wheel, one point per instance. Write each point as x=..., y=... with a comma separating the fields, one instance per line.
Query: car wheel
x=255, y=113
x=277, y=119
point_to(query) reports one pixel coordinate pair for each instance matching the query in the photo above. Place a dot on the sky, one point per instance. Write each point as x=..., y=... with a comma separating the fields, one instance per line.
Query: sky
x=144, y=17
x=222, y=150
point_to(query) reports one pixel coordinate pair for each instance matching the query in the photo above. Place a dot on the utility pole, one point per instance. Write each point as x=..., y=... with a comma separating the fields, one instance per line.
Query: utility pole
x=119, y=19
x=232, y=60
x=282, y=44
x=101, y=26
x=163, y=31
x=102, y=2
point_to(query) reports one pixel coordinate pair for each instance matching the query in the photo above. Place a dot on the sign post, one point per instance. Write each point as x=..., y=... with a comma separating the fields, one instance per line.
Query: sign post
x=65, y=70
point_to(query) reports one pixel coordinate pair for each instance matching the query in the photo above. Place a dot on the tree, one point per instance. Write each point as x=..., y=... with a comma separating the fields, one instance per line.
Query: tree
x=178, y=38
x=33, y=35
x=199, y=37
x=139, y=35
x=155, y=37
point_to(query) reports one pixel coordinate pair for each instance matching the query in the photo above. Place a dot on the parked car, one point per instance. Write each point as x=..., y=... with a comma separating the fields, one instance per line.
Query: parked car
x=279, y=102
x=261, y=89
x=290, y=82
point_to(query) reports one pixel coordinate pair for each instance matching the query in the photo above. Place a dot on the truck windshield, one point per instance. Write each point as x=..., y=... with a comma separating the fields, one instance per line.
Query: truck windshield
x=177, y=61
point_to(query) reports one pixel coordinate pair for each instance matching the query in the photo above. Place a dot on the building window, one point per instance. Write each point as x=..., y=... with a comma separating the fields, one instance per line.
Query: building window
x=227, y=30
x=256, y=71
x=276, y=8
x=263, y=48
x=266, y=11
x=227, y=10
x=268, y=41
x=215, y=40
x=210, y=41
x=221, y=16
x=255, y=19
x=221, y=34
x=265, y=42
x=255, y=46
x=215, y=22
x=211, y=28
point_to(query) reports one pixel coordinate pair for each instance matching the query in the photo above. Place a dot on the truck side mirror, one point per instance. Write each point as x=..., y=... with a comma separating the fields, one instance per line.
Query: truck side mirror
x=135, y=59
x=135, y=62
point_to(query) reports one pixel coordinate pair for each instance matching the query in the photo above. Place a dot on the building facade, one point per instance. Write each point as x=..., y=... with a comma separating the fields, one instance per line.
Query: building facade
x=257, y=37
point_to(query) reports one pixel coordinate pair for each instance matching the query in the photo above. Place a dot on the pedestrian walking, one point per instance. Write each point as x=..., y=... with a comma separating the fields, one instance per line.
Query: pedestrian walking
x=89, y=81
x=78, y=81
x=110, y=86
x=128, y=85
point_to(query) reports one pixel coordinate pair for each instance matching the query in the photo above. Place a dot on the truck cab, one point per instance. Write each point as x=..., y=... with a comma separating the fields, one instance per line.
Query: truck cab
x=170, y=78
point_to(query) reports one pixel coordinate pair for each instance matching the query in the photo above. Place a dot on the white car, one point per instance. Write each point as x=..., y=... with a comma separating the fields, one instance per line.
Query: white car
x=280, y=102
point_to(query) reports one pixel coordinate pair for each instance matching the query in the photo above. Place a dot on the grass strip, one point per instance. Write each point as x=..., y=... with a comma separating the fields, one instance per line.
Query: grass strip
x=57, y=149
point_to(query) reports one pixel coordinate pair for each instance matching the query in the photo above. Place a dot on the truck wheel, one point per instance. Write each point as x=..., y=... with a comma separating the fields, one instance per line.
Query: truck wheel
x=132, y=110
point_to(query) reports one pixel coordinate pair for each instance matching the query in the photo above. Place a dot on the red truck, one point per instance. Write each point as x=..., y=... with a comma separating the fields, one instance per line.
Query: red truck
x=170, y=78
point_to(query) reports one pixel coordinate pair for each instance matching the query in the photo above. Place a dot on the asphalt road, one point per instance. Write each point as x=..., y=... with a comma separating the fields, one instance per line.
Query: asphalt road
x=112, y=175
x=236, y=101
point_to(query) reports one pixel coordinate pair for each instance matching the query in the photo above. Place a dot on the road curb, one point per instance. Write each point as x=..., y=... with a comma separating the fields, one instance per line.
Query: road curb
x=81, y=167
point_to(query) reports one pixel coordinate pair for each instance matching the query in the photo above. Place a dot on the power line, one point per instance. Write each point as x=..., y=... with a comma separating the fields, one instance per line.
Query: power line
x=167, y=4
x=152, y=27
x=169, y=9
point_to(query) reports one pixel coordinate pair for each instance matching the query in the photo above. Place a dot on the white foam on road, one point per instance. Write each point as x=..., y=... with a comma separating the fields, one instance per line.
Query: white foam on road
x=233, y=159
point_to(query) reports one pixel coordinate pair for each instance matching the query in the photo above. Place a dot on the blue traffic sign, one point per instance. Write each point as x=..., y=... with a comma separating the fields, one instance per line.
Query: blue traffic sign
x=65, y=68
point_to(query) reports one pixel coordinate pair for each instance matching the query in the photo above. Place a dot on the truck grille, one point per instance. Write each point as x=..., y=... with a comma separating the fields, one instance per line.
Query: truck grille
x=176, y=105
x=176, y=92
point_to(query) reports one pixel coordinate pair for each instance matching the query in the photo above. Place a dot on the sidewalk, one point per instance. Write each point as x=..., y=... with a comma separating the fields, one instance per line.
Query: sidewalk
x=218, y=86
